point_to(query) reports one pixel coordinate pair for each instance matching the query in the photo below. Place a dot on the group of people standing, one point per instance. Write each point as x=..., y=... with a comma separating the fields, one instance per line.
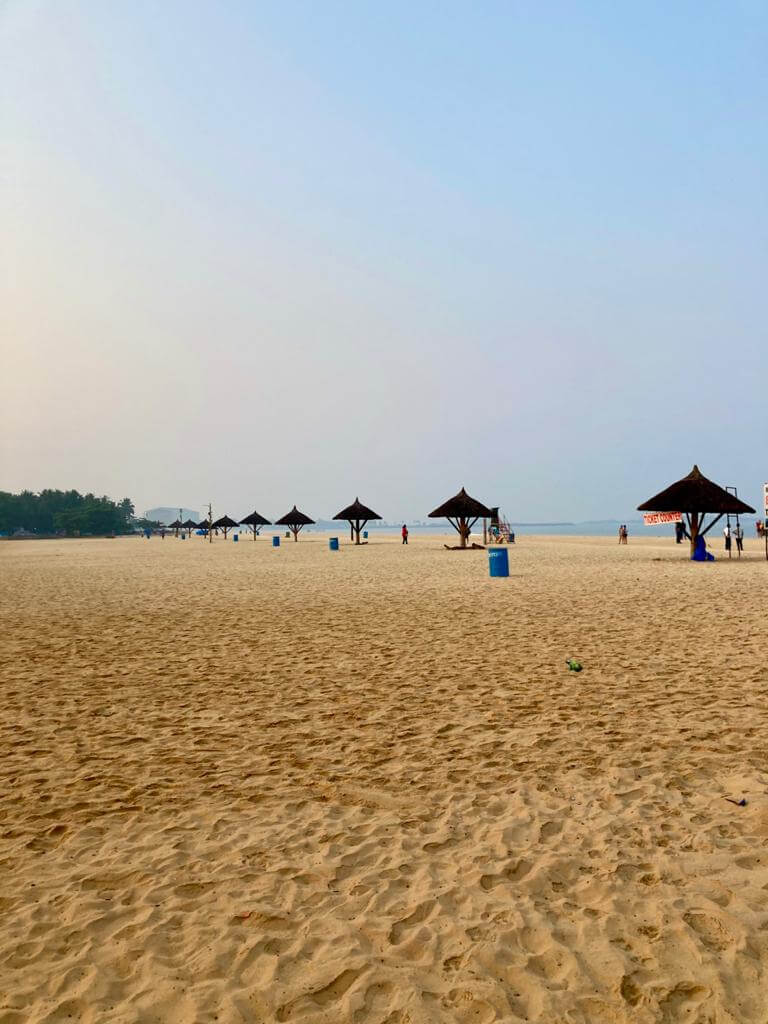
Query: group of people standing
x=623, y=533
x=729, y=535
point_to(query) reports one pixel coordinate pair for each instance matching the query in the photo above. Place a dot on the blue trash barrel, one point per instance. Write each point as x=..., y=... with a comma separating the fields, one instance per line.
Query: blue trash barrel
x=235, y=537
x=365, y=535
x=333, y=543
x=498, y=561
x=183, y=536
x=275, y=542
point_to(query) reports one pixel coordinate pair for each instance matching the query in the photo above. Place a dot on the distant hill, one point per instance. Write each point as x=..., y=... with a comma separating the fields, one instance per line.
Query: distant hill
x=169, y=515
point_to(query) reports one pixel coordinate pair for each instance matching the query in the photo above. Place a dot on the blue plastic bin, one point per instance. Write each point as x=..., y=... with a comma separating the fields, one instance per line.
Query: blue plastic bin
x=498, y=562
x=275, y=542
x=333, y=543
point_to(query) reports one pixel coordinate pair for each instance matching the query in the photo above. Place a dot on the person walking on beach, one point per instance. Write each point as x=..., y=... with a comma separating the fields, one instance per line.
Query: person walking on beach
x=738, y=533
x=404, y=534
x=621, y=534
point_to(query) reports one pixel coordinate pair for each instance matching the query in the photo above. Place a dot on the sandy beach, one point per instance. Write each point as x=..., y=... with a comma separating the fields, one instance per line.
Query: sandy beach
x=242, y=784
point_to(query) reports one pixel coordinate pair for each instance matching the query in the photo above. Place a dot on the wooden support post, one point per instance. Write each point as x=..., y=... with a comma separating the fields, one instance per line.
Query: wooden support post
x=715, y=520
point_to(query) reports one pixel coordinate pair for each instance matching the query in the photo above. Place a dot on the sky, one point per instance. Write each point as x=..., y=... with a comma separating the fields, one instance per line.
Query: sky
x=261, y=254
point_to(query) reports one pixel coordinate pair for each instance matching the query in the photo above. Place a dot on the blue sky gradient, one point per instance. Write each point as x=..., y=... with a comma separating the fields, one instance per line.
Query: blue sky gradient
x=266, y=253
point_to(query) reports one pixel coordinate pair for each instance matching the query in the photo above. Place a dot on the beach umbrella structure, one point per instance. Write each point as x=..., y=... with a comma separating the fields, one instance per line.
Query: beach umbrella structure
x=696, y=497
x=189, y=524
x=357, y=515
x=225, y=523
x=294, y=520
x=462, y=511
x=176, y=525
x=254, y=520
x=203, y=525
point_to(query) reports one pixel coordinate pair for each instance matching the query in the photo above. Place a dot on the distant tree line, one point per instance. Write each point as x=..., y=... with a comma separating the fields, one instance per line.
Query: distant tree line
x=67, y=512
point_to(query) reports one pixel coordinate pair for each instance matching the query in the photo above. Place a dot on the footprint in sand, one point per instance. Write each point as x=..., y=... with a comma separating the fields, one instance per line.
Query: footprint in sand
x=378, y=998
x=513, y=874
x=466, y=1008
x=433, y=847
x=549, y=830
x=399, y=928
x=630, y=991
x=748, y=861
x=680, y=1003
x=712, y=933
x=321, y=997
x=452, y=963
x=191, y=889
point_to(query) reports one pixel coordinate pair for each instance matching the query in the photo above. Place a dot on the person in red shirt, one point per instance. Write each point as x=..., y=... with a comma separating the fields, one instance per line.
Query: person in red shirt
x=404, y=534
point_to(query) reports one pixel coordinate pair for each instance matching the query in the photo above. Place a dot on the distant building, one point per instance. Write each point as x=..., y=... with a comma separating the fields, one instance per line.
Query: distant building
x=169, y=515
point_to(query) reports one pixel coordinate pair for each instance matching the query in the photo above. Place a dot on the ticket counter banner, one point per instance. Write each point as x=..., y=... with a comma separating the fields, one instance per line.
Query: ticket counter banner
x=657, y=518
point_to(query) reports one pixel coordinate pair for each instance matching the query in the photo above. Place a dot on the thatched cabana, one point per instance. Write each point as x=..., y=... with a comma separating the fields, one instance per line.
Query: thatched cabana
x=225, y=523
x=357, y=515
x=203, y=525
x=294, y=520
x=175, y=526
x=695, y=497
x=462, y=512
x=189, y=524
x=254, y=520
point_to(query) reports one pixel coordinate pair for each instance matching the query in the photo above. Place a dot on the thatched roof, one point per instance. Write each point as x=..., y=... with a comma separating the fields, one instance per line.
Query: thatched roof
x=175, y=525
x=224, y=521
x=254, y=519
x=461, y=506
x=202, y=525
x=356, y=511
x=694, y=493
x=189, y=524
x=294, y=518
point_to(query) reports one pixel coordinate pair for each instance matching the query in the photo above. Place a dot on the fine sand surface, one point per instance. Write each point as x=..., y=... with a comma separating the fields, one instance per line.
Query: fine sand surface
x=245, y=784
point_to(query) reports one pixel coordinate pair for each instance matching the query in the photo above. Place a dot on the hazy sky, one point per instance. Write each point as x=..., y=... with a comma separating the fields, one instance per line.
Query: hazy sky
x=266, y=253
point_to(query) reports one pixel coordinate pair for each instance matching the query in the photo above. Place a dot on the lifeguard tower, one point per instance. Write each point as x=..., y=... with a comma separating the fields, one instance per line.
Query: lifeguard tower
x=498, y=532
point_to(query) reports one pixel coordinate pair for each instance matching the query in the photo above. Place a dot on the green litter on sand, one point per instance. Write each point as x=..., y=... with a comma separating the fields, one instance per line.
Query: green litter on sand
x=573, y=665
